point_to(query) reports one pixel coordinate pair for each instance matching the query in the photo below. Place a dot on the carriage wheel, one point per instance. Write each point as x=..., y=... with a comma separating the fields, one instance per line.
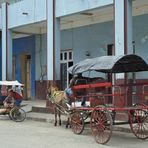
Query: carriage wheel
x=77, y=123
x=138, y=119
x=85, y=114
x=101, y=125
x=17, y=115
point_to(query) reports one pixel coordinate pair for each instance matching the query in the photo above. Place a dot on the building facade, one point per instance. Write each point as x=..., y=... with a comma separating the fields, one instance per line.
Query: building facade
x=42, y=38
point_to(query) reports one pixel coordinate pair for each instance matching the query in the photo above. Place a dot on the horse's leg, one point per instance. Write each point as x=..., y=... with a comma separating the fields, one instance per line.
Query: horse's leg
x=59, y=113
x=55, y=113
x=68, y=122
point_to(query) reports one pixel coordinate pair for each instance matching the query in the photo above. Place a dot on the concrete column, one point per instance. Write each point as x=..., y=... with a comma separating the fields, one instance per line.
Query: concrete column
x=123, y=26
x=57, y=48
x=128, y=27
x=129, y=48
x=50, y=40
x=4, y=41
x=123, y=36
x=6, y=47
x=53, y=55
x=119, y=30
x=9, y=55
x=119, y=26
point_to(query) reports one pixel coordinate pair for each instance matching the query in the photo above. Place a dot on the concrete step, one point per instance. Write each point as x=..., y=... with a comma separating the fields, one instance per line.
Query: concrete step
x=44, y=117
x=38, y=109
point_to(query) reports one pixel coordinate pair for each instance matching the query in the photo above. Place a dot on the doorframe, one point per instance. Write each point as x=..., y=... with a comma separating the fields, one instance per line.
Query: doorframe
x=66, y=56
x=23, y=61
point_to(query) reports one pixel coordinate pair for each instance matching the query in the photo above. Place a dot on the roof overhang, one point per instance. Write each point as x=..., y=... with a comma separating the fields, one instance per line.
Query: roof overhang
x=103, y=14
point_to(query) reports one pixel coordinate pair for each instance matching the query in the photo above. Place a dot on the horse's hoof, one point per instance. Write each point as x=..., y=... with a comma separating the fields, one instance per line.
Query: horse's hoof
x=55, y=124
x=67, y=125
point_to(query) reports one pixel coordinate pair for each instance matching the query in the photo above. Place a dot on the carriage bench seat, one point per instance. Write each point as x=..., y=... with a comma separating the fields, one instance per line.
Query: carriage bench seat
x=91, y=92
x=95, y=85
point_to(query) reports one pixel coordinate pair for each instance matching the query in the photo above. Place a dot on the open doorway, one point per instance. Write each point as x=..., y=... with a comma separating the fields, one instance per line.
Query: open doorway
x=26, y=75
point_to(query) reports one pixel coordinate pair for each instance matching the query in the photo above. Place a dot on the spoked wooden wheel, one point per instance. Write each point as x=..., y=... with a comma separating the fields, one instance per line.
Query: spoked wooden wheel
x=17, y=114
x=101, y=125
x=77, y=123
x=138, y=119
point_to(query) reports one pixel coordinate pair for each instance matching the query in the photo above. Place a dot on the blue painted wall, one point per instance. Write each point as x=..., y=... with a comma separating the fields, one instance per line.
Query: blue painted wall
x=1, y=55
x=140, y=36
x=95, y=38
x=25, y=45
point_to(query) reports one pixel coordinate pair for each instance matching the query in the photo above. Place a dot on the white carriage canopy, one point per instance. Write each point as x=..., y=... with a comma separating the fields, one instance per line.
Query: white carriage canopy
x=110, y=64
x=11, y=83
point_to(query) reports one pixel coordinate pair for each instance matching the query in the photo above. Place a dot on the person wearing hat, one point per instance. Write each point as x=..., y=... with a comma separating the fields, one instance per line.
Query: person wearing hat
x=68, y=93
x=9, y=101
x=13, y=96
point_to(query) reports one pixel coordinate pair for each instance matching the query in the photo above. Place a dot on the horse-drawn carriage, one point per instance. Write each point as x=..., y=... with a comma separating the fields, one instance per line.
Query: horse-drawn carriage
x=111, y=103
x=16, y=113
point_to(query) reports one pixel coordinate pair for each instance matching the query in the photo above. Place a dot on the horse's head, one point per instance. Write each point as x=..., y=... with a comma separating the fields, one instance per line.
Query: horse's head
x=51, y=89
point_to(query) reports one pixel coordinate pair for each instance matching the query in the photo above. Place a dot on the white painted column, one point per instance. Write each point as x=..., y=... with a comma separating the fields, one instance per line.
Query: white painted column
x=49, y=40
x=123, y=34
x=10, y=55
x=6, y=54
x=129, y=24
x=119, y=30
x=119, y=26
x=50, y=46
x=57, y=48
x=4, y=41
x=123, y=27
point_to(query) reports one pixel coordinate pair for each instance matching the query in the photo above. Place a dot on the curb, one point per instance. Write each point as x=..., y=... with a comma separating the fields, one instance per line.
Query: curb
x=36, y=119
x=122, y=129
x=49, y=120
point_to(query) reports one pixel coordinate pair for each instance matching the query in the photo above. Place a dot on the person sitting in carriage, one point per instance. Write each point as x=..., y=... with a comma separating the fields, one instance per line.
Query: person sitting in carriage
x=68, y=92
x=13, y=97
x=4, y=94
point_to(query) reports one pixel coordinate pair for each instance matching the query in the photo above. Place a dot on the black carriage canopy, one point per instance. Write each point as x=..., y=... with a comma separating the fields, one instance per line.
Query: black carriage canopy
x=110, y=64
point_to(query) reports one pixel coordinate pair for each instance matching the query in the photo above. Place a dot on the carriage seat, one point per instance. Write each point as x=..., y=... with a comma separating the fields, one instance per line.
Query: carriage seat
x=2, y=98
x=81, y=81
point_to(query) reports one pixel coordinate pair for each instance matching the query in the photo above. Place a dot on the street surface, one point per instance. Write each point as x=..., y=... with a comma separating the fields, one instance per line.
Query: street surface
x=32, y=134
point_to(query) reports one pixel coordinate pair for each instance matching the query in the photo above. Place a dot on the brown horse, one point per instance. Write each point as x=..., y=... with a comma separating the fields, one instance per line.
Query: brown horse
x=57, y=98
